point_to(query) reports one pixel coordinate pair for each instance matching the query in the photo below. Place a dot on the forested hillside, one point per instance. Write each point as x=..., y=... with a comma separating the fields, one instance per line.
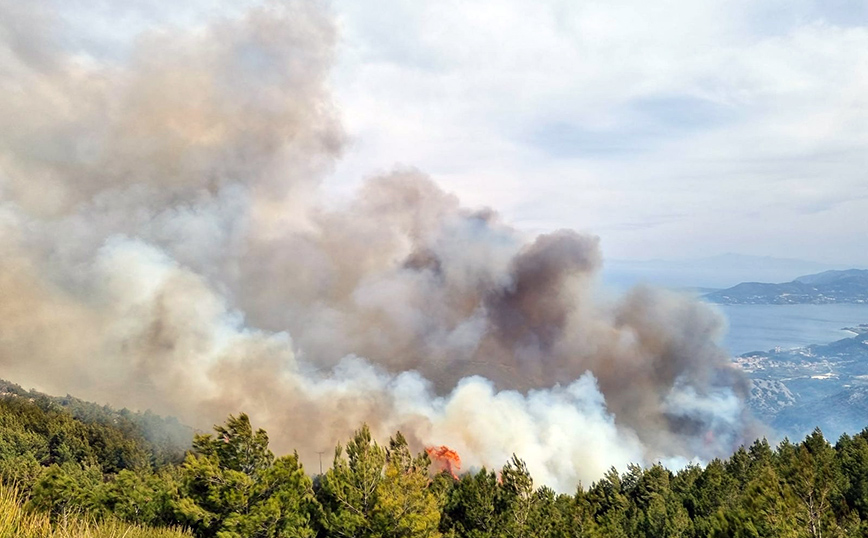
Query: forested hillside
x=230, y=485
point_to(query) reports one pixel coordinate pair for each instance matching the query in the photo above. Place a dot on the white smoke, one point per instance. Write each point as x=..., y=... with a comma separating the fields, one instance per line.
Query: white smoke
x=165, y=246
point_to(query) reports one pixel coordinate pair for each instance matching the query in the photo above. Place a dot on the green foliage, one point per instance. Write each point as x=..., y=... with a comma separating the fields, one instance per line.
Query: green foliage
x=36, y=432
x=471, y=508
x=68, y=488
x=609, y=505
x=118, y=438
x=372, y=491
x=516, y=498
x=91, y=466
x=348, y=491
x=233, y=487
x=853, y=456
x=405, y=506
x=142, y=497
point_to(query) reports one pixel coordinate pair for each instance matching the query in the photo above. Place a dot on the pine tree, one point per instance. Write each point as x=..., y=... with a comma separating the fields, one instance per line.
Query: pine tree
x=405, y=505
x=232, y=487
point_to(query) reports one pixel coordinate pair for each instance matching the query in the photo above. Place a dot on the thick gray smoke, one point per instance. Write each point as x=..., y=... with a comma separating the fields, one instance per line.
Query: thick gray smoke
x=164, y=245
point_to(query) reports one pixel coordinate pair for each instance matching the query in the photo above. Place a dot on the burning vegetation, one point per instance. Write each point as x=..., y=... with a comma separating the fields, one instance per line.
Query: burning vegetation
x=444, y=458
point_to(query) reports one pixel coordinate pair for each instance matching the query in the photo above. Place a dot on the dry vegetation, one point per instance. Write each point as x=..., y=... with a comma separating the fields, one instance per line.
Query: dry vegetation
x=16, y=521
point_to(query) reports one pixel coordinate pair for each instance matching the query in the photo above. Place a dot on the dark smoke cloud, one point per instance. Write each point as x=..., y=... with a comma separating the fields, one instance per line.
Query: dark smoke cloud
x=164, y=246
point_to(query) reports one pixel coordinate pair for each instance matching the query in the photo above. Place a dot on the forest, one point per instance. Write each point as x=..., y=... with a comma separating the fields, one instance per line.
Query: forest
x=73, y=469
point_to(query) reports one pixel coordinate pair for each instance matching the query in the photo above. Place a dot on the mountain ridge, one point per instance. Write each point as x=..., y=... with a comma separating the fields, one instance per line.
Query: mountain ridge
x=827, y=287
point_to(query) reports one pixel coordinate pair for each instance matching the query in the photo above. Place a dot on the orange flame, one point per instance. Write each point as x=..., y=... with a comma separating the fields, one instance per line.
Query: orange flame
x=445, y=459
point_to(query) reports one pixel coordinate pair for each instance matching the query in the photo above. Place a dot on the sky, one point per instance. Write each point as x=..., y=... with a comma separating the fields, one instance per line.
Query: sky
x=671, y=129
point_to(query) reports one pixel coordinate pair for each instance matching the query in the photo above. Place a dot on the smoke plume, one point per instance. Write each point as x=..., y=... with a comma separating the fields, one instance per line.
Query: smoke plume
x=165, y=245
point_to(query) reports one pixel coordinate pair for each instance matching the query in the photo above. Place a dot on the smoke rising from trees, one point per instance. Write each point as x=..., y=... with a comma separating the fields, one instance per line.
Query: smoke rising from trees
x=165, y=245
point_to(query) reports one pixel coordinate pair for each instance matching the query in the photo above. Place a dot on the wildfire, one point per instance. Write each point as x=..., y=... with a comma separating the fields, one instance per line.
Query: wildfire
x=445, y=459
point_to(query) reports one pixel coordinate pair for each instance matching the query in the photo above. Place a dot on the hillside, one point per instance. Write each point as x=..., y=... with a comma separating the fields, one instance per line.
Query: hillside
x=796, y=390
x=162, y=439
x=230, y=485
x=848, y=286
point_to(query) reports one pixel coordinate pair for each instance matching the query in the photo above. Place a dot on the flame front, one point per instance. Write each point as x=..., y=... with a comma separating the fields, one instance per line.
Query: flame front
x=445, y=459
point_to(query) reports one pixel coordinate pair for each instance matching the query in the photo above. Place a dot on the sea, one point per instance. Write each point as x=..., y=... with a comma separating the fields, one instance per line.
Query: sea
x=765, y=327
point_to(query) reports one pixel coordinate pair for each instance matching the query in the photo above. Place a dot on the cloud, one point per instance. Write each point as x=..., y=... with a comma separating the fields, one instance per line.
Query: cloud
x=619, y=110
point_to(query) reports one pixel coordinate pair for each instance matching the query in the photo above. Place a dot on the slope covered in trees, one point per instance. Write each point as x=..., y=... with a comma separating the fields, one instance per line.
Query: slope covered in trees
x=230, y=485
x=162, y=440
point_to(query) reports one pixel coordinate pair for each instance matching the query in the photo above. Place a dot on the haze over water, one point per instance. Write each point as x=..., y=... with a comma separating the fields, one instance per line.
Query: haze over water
x=764, y=327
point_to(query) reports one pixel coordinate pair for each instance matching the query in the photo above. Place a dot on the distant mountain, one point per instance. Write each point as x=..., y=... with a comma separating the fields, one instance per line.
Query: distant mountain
x=848, y=286
x=829, y=277
x=712, y=273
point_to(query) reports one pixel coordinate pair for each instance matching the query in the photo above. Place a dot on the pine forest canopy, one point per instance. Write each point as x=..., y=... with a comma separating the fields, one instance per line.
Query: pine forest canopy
x=231, y=485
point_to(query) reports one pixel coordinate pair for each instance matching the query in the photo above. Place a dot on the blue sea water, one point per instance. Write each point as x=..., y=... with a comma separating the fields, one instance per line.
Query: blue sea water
x=764, y=327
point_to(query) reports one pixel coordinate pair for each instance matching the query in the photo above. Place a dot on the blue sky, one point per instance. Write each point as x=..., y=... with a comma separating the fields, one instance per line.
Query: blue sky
x=671, y=129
